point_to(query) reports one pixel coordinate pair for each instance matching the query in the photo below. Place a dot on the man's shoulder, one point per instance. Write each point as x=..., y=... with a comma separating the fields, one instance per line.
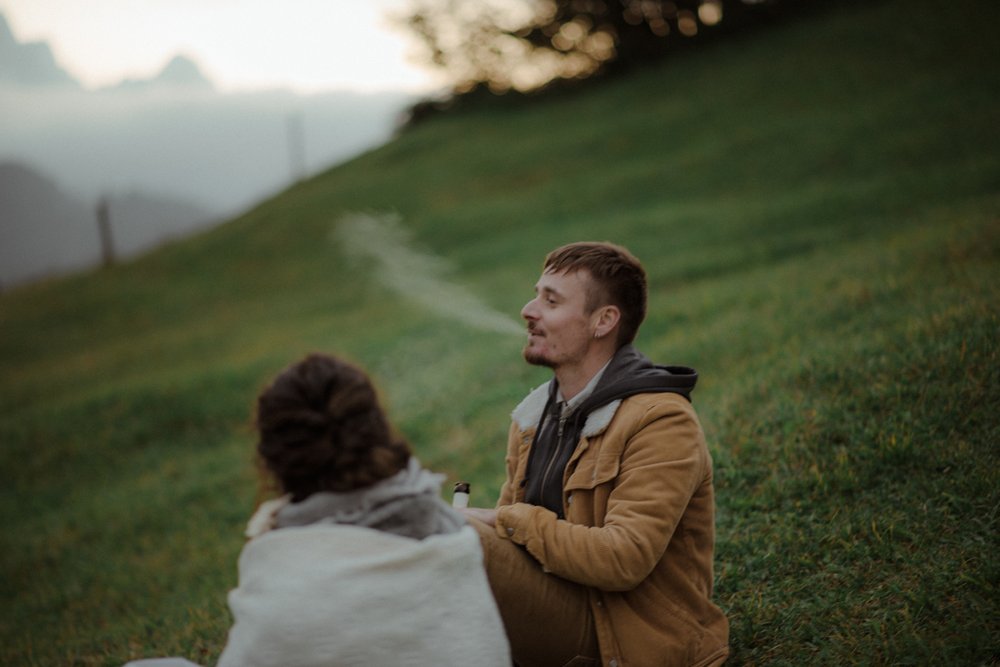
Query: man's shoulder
x=650, y=406
x=645, y=410
x=636, y=412
x=666, y=400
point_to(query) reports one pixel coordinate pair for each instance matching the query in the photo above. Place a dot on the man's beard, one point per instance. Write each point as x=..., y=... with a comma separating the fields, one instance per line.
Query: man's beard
x=536, y=359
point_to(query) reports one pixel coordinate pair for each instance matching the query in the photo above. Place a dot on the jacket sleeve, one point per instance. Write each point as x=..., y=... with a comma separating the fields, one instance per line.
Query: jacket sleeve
x=663, y=462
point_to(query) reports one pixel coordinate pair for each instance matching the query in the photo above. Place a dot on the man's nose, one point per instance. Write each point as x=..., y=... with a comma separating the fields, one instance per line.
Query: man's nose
x=530, y=310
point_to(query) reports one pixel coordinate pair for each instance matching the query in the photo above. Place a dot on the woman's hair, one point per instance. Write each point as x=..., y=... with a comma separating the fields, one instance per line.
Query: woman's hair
x=321, y=428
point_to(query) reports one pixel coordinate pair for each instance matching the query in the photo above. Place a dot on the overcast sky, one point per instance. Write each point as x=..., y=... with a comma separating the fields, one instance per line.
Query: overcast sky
x=242, y=45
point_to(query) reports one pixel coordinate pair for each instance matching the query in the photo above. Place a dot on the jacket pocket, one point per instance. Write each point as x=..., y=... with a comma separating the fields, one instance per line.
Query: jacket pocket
x=592, y=471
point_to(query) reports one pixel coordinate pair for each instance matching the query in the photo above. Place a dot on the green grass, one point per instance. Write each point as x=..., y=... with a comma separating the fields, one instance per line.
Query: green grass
x=819, y=212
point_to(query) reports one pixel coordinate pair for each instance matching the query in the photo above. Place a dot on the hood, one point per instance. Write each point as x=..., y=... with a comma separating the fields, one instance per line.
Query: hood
x=630, y=372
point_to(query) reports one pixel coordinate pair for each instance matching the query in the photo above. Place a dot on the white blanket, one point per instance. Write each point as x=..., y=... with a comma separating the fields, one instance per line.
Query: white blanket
x=328, y=595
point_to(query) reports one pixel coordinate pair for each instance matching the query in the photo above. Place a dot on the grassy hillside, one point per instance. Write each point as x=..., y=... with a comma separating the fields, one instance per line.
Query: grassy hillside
x=818, y=210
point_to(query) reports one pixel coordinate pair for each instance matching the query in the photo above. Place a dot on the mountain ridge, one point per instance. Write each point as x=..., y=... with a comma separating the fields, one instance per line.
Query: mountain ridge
x=29, y=63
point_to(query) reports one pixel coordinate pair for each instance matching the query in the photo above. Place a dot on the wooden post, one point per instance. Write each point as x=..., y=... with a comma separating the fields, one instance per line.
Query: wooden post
x=104, y=229
x=296, y=147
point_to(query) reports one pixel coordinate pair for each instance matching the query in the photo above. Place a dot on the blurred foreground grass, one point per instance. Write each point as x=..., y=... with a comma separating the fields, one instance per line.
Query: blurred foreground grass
x=819, y=214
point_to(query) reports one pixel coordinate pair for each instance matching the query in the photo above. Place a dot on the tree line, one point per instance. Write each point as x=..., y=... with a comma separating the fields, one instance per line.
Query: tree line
x=494, y=47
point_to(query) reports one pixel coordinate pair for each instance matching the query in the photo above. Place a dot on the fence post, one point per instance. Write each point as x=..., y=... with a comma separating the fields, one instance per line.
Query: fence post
x=104, y=229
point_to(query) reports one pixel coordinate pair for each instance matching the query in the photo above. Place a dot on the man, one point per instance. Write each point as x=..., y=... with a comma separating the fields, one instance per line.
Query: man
x=600, y=549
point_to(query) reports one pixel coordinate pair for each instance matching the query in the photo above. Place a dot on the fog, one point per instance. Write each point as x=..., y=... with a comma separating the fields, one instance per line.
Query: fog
x=221, y=152
x=382, y=241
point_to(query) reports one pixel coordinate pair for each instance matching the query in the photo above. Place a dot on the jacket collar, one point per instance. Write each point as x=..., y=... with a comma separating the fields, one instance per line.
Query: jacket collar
x=529, y=412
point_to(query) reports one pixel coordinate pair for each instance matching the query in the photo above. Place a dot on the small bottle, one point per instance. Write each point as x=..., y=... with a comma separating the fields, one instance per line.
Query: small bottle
x=460, y=498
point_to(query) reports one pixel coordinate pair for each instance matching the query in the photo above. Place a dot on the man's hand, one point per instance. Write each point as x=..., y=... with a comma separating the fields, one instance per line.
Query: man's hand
x=489, y=517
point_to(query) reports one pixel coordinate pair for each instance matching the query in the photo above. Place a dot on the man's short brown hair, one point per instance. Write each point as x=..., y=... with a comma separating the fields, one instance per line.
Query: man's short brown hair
x=618, y=279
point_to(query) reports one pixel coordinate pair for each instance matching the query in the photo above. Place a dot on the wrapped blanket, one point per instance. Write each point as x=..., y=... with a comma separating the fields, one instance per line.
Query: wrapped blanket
x=329, y=594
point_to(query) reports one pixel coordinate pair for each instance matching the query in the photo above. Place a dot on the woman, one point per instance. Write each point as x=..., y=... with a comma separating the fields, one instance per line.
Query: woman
x=360, y=562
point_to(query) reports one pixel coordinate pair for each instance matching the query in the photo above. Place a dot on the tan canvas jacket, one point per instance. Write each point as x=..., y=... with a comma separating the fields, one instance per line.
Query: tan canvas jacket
x=639, y=529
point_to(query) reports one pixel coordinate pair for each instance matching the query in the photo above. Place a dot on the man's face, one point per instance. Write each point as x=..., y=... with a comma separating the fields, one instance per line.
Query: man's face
x=559, y=327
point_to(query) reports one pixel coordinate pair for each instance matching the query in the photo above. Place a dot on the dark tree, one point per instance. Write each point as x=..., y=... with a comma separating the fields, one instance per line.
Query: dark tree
x=525, y=45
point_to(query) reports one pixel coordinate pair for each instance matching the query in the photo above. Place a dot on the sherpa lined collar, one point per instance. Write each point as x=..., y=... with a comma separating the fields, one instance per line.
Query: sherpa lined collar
x=528, y=412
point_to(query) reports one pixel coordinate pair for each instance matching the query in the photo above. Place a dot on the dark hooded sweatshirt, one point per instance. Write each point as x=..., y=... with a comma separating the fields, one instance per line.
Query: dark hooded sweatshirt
x=628, y=373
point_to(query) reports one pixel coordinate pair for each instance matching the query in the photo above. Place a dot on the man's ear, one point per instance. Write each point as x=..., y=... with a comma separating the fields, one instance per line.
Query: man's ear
x=606, y=318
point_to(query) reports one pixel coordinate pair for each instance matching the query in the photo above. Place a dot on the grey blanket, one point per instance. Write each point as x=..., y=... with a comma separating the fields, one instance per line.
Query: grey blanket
x=407, y=504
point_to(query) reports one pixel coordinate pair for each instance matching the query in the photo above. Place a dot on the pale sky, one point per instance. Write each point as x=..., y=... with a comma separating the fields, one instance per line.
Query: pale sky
x=241, y=45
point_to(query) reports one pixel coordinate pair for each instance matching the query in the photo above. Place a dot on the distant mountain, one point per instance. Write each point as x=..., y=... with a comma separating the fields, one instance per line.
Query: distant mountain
x=29, y=63
x=180, y=72
x=33, y=64
x=46, y=231
x=43, y=230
